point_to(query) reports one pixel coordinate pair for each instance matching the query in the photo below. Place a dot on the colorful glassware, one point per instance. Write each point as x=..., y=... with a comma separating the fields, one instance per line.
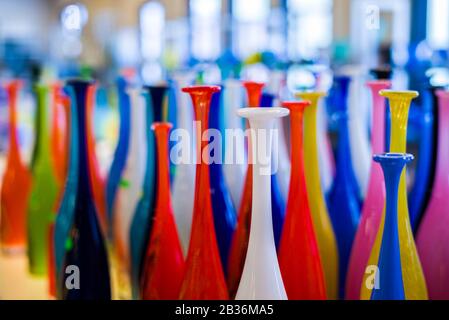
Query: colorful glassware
x=321, y=222
x=16, y=182
x=225, y=219
x=421, y=192
x=129, y=190
x=412, y=275
x=239, y=244
x=163, y=269
x=261, y=277
x=142, y=220
x=97, y=179
x=184, y=178
x=375, y=196
x=343, y=198
x=84, y=246
x=277, y=200
x=432, y=237
x=302, y=272
x=204, y=277
x=390, y=284
x=44, y=189
x=121, y=150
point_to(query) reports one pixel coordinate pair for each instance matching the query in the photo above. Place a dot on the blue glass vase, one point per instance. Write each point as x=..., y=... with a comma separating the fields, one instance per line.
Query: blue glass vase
x=277, y=201
x=425, y=167
x=141, y=223
x=225, y=218
x=121, y=150
x=390, y=283
x=85, y=251
x=344, y=197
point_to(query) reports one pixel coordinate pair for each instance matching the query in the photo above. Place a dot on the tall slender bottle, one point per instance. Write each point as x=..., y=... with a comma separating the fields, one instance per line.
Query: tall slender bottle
x=16, y=183
x=261, y=277
x=389, y=284
x=234, y=172
x=142, y=221
x=343, y=198
x=129, y=190
x=121, y=150
x=45, y=187
x=375, y=196
x=321, y=222
x=204, y=277
x=239, y=244
x=225, y=219
x=85, y=251
x=414, y=283
x=432, y=237
x=184, y=179
x=163, y=268
x=302, y=272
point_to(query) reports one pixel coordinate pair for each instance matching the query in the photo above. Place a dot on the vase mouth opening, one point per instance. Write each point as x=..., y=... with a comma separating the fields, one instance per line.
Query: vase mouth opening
x=309, y=95
x=161, y=125
x=399, y=94
x=393, y=157
x=263, y=113
x=296, y=105
x=201, y=89
x=79, y=80
x=382, y=84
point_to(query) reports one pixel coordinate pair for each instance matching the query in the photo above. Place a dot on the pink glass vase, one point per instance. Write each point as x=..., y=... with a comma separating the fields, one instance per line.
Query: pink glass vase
x=375, y=198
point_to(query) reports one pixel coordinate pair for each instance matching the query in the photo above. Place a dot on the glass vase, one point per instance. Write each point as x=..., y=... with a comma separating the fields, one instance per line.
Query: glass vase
x=344, y=195
x=413, y=278
x=44, y=190
x=204, y=277
x=239, y=244
x=261, y=277
x=225, y=219
x=16, y=182
x=302, y=272
x=375, y=196
x=142, y=220
x=85, y=251
x=390, y=280
x=163, y=268
x=432, y=234
x=327, y=244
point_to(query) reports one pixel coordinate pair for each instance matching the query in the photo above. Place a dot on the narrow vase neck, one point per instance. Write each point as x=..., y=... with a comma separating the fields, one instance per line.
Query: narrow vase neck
x=163, y=176
x=399, y=108
x=13, y=93
x=297, y=151
x=42, y=127
x=378, y=120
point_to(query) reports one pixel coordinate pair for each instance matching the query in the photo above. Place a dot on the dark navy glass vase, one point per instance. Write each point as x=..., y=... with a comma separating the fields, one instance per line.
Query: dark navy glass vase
x=391, y=283
x=121, y=151
x=344, y=197
x=225, y=217
x=86, y=269
x=419, y=195
x=277, y=201
x=141, y=223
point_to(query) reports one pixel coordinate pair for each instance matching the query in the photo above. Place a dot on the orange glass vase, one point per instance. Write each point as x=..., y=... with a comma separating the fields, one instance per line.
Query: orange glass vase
x=16, y=184
x=204, y=278
x=163, y=269
x=302, y=272
x=239, y=244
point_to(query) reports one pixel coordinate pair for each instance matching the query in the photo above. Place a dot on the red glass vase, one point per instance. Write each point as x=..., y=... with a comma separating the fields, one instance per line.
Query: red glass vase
x=239, y=244
x=302, y=272
x=163, y=269
x=16, y=184
x=204, y=277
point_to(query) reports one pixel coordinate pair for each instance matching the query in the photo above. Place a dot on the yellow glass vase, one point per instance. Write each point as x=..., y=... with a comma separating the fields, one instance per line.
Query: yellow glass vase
x=321, y=222
x=412, y=274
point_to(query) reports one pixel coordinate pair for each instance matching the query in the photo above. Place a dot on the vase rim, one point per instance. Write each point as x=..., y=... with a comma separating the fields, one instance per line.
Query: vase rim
x=378, y=82
x=310, y=94
x=79, y=80
x=296, y=104
x=389, y=93
x=392, y=156
x=201, y=88
x=442, y=93
x=263, y=113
